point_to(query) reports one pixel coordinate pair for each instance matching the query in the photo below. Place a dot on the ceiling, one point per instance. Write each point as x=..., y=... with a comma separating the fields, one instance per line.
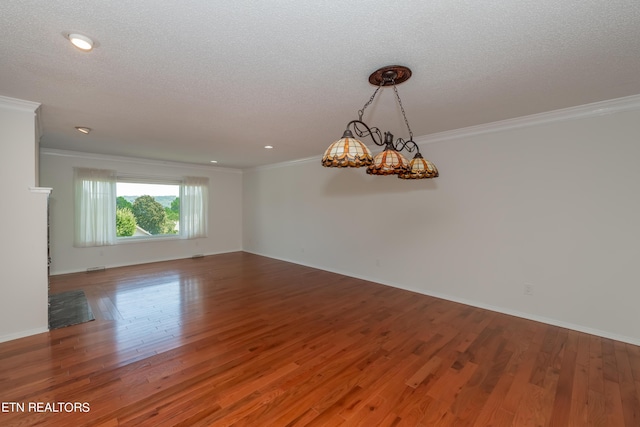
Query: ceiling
x=201, y=80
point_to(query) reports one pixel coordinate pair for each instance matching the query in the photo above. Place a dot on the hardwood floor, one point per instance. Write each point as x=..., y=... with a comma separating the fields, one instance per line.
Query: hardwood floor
x=242, y=340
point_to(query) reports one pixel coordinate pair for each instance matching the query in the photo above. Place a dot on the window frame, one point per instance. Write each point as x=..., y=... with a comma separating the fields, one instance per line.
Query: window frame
x=150, y=180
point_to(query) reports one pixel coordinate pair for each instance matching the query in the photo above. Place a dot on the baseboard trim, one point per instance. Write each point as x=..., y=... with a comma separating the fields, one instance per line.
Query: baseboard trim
x=23, y=334
x=473, y=303
x=102, y=268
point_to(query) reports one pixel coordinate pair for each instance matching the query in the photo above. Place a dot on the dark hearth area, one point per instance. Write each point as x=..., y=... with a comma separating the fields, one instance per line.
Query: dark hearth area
x=69, y=308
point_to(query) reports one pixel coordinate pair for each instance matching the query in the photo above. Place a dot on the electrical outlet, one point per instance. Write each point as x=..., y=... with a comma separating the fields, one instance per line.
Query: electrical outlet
x=528, y=289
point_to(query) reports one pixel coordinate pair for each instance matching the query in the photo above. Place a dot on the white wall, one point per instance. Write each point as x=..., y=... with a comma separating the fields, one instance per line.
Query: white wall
x=553, y=202
x=225, y=212
x=23, y=253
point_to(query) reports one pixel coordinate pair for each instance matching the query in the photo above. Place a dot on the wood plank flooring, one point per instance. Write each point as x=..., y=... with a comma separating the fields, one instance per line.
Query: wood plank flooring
x=242, y=340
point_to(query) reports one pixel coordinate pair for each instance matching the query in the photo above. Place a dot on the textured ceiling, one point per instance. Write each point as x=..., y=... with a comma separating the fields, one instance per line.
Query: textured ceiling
x=198, y=80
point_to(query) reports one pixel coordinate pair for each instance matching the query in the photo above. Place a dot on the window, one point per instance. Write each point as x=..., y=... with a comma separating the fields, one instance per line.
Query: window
x=112, y=209
x=146, y=210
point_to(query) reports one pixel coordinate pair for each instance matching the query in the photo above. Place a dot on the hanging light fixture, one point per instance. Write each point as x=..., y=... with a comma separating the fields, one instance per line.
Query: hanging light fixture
x=351, y=152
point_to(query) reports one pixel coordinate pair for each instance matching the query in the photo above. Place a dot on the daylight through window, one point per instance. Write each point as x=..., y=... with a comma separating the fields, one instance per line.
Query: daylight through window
x=110, y=208
x=147, y=210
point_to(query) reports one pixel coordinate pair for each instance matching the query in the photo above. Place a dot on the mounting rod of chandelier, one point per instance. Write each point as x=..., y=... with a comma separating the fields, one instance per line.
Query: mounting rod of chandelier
x=351, y=152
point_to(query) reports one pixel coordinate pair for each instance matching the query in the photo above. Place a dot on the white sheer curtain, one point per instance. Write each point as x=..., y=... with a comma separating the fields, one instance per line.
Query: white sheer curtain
x=95, y=207
x=193, y=207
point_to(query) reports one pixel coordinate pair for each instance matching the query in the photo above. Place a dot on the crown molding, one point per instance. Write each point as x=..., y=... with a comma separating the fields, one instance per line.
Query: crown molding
x=601, y=108
x=284, y=164
x=136, y=160
x=27, y=107
x=19, y=104
x=628, y=103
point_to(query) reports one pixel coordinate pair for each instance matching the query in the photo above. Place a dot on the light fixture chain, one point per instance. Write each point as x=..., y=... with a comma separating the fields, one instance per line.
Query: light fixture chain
x=361, y=112
x=395, y=89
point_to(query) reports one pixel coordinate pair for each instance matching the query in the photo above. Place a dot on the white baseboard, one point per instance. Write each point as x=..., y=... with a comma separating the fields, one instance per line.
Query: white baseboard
x=22, y=334
x=125, y=264
x=503, y=310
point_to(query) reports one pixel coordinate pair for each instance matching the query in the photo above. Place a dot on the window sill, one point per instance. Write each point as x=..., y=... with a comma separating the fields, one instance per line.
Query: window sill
x=127, y=240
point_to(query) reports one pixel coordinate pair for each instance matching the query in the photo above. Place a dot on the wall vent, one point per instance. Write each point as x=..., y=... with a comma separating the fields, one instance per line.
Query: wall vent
x=94, y=269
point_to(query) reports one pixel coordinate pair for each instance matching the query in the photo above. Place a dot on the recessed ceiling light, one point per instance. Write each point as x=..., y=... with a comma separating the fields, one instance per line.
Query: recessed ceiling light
x=268, y=147
x=81, y=42
x=83, y=129
x=214, y=161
